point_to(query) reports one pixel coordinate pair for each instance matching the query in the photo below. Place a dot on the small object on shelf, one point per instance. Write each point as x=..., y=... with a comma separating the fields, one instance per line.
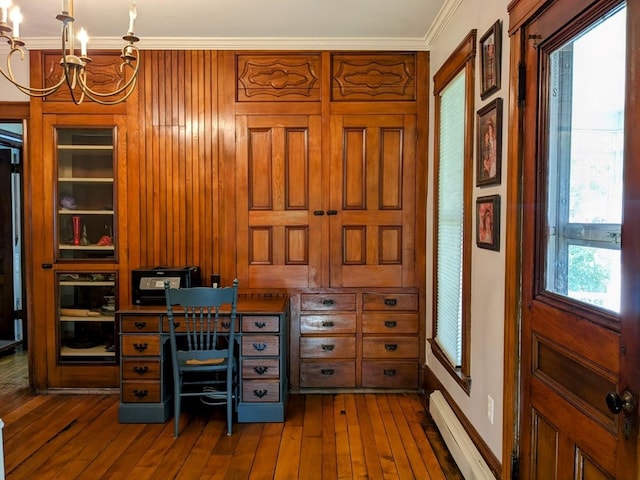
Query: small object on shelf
x=76, y=230
x=104, y=241
x=84, y=240
x=68, y=202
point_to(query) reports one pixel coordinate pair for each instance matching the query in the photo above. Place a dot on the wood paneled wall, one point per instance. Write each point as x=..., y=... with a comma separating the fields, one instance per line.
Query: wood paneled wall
x=173, y=173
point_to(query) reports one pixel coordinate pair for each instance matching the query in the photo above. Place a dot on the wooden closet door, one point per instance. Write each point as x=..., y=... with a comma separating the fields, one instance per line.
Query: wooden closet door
x=372, y=195
x=278, y=200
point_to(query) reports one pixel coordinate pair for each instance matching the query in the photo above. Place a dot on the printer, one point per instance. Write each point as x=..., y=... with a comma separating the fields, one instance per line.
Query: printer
x=147, y=284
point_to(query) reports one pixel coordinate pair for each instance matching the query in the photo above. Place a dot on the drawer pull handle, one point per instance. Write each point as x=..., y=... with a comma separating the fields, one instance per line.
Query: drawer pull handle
x=327, y=371
x=260, y=324
x=390, y=323
x=140, y=393
x=328, y=324
x=260, y=369
x=140, y=325
x=140, y=347
x=391, y=372
x=259, y=346
x=318, y=213
x=140, y=370
x=260, y=393
x=226, y=325
x=332, y=212
x=390, y=302
x=390, y=347
x=327, y=348
x=176, y=325
x=328, y=301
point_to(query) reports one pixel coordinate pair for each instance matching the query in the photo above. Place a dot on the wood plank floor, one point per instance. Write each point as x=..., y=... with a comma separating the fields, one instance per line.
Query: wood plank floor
x=332, y=436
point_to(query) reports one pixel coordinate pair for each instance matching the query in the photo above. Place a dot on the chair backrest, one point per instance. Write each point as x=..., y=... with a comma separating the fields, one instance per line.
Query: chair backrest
x=209, y=319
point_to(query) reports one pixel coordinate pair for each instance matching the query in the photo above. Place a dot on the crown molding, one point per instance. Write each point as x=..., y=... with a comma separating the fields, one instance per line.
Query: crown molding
x=441, y=21
x=254, y=43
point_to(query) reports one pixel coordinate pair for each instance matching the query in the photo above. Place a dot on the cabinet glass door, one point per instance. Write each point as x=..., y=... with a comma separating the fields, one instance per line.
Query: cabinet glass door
x=85, y=192
x=86, y=317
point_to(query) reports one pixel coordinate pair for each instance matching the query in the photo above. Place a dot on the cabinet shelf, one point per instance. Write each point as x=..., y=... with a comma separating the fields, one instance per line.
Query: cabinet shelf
x=85, y=212
x=87, y=247
x=101, y=318
x=97, y=351
x=85, y=179
x=85, y=147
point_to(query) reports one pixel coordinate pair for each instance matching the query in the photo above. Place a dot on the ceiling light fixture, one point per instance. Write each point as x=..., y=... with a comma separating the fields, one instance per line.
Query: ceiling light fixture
x=74, y=68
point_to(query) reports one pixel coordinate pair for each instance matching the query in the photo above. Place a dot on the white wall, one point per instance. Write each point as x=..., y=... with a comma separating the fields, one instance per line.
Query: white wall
x=8, y=92
x=487, y=267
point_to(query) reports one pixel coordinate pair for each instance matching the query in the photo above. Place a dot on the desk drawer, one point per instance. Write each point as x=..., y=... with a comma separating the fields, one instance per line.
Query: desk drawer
x=261, y=368
x=328, y=375
x=260, y=345
x=261, y=391
x=140, y=392
x=141, y=369
x=390, y=301
x=255, y=323
x=329, y=301
x=141, y=345
x=139, y=324
x=181, y=326
x=390, y=374
x=327, y=347
x=390, y=323
x=390, y=347
x=328, y=323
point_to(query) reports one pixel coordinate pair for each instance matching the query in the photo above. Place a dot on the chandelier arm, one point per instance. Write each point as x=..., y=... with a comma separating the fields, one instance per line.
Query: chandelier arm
x=70, y=72
x=30, y=91
x=126, y=90
x=123, y=67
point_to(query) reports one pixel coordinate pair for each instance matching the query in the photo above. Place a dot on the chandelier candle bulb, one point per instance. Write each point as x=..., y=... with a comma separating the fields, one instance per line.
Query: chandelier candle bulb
x=65, y=6
x=84, y=39
x=4, y=8
x=16, y=18
x=133, y=13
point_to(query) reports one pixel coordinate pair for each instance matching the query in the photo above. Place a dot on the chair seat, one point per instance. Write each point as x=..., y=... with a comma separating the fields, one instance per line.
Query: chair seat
x=208, y=361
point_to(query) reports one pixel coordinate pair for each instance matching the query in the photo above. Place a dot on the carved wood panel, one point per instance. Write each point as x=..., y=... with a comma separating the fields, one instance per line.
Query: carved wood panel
x=373, y=77
x=103, y=74
x=283, y=78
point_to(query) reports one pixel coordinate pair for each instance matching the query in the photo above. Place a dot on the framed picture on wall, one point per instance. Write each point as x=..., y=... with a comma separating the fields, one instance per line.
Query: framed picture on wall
x=490, y=55
x=489, y=144
x=488, y=222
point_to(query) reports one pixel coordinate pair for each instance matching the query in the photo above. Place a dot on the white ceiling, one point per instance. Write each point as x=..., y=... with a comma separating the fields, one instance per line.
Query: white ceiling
x=386, y=24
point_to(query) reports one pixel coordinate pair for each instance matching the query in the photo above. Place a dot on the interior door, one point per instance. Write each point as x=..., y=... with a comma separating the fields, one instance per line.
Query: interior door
x=372, y=190
x=279, y=201
x=6, y=248
x=580, y=311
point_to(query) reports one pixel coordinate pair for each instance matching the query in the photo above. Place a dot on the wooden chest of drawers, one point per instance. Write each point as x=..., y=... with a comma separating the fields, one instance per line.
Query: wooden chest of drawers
x=145, y=363
x=355, y=340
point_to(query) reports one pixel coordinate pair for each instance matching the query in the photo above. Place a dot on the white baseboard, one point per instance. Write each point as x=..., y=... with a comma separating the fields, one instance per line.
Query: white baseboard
x=464, y=452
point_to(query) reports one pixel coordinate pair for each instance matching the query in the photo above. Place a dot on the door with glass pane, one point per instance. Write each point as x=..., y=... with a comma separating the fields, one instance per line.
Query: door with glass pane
x=580, y=374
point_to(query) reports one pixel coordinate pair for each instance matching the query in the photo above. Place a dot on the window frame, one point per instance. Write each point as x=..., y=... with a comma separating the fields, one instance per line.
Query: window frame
x=462, y=58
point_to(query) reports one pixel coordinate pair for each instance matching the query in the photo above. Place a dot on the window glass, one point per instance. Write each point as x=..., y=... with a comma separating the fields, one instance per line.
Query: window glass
x=586, y=149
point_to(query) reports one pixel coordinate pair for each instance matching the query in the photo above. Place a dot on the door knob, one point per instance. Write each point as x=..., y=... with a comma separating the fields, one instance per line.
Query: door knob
x=617, y=403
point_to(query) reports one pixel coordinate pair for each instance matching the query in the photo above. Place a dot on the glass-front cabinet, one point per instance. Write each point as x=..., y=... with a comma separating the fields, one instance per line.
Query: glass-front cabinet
x=86, y=328
x=85, y=193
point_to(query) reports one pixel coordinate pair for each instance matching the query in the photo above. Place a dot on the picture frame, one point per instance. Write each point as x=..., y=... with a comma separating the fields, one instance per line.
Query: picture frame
x=488, y=222
x=489, y=144
x=490, y=60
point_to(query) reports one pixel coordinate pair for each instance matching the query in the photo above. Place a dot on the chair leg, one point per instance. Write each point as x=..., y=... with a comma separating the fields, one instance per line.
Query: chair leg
x=230, y=401
x=176, y=409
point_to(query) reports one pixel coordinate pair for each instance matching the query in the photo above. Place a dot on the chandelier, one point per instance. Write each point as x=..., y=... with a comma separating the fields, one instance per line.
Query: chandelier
x=74, y=67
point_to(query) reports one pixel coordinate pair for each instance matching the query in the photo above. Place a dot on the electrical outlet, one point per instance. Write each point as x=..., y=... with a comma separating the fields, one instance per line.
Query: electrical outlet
x=490, y=409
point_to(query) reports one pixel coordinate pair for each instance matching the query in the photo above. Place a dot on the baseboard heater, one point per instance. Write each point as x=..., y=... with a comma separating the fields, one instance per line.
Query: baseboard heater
x=464, y=452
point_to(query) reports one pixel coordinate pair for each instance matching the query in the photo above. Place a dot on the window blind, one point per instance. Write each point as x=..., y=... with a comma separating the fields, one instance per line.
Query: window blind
x=450, y=220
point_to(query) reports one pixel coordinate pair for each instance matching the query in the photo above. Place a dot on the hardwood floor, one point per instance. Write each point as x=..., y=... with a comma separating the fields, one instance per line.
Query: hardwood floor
x=340, y=436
